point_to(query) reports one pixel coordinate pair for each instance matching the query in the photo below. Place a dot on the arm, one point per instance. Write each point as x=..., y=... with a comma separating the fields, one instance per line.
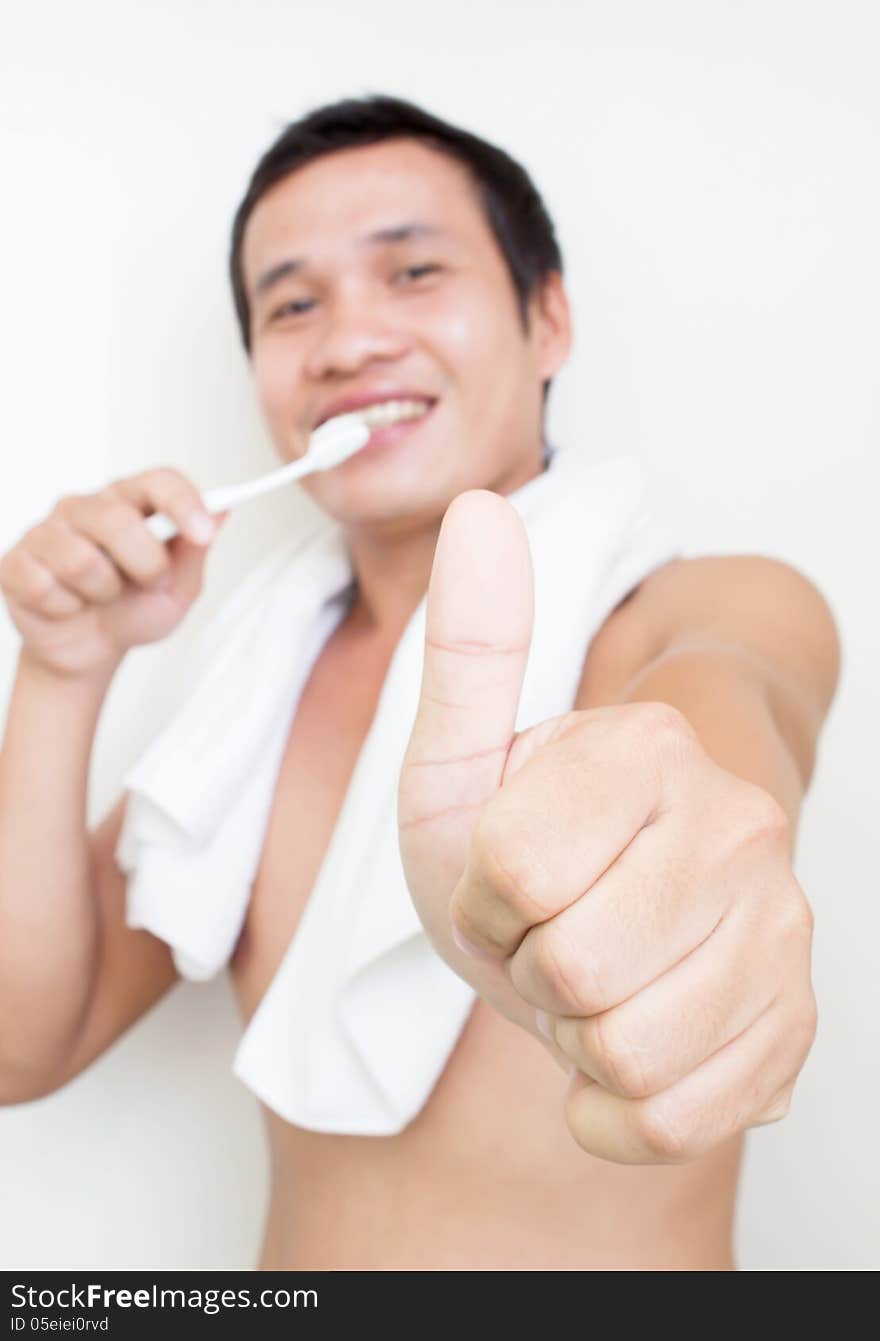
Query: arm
x=745, y=647
x=83, y=587
x=73, y=977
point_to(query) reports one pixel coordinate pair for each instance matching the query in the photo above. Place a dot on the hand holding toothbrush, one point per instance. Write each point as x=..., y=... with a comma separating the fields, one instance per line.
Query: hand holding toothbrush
x=91, y=581
x=95, y=577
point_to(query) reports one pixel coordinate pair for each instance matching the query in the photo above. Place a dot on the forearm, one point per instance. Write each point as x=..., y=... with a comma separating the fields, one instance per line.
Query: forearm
x=734, y=707
x=48, y=917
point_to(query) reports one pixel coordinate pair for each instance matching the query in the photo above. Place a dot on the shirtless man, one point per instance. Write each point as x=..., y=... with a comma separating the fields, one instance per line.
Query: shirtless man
x=680, y=987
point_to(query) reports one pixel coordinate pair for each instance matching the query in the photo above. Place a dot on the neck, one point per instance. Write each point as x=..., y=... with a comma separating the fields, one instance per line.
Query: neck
x=392, y=566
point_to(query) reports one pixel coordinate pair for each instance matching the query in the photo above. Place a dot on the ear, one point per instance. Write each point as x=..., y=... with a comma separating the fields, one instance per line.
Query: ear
x=551, y=325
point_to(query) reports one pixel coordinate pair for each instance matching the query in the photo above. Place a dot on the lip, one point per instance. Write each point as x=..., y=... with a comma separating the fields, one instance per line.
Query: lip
x=357, y=400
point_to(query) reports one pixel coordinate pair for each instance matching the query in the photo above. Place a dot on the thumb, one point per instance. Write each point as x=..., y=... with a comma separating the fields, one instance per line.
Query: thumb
x=478, y=630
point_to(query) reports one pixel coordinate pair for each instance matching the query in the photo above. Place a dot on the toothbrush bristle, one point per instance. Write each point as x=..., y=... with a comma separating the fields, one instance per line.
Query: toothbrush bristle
x=339, y=439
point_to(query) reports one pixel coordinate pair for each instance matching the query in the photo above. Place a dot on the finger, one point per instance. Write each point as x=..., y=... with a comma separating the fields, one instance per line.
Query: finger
x=184, y=575
x=728, y=1092
x=186, y=571
x=77, y=563
x=648, y=910
x=477, y=634
x=560, y=820
x=662, y=1033
x=34, y=587
x=168, y=491
x=120, y=529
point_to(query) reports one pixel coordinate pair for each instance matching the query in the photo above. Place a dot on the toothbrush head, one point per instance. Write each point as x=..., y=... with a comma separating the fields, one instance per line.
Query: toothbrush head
x=335, y=441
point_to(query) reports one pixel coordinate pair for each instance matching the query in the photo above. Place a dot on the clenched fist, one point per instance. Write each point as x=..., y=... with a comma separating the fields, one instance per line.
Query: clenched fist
x=598, y=878
x=91, y=580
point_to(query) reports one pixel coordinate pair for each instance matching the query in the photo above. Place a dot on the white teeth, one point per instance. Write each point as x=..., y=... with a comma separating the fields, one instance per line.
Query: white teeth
x=392, y=411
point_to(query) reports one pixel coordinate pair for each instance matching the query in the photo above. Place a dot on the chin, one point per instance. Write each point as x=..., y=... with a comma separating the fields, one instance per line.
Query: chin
x=384, y=496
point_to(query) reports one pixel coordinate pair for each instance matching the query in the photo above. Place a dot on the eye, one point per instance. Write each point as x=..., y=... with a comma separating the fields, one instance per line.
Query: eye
x=296, y=307
x=413, y=272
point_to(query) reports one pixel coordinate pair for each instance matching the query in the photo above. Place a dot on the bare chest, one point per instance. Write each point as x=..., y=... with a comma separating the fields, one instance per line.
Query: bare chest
x=331, y=722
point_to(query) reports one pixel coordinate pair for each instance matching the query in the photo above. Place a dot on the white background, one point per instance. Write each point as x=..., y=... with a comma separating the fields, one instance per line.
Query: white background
x=713, y=170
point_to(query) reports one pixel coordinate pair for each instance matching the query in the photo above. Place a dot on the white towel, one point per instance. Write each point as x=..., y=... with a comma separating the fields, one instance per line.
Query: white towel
x=357, y=1025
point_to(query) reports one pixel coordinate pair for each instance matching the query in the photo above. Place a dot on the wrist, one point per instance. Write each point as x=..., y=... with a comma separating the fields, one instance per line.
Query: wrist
x=92, y=681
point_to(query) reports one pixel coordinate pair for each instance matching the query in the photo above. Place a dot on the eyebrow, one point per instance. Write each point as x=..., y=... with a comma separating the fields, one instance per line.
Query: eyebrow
x=381, y=237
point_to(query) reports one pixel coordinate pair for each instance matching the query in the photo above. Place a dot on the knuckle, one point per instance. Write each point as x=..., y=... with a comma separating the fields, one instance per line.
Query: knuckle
x=165, y=475
x=64, y=506
x=170, y=486
x=619, y=1061
x=795, y=919
x=40, y=587
x=661, y=1134
x=765, y=817
x=79, y=562
x=576, y=976
x=805, y=917
x=510, y=866
x=806, y=1025
x=117, y=515
x=20, y=568
x=180, y=501
x=574, y=1120
x=38, y=584
x=662, y=724
x=778, y=1108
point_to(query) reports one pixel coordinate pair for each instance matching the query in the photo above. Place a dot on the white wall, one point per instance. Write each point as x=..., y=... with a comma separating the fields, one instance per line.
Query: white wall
x=713, y=169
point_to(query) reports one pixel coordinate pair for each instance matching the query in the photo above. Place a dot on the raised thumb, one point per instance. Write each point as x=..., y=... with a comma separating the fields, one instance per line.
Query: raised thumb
x=478, y=630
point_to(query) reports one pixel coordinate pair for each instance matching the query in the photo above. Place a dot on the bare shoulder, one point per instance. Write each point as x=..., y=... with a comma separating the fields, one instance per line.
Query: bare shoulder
x=758, y=607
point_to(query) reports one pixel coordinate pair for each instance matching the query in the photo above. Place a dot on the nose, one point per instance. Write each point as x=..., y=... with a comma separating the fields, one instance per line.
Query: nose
x=354, y=333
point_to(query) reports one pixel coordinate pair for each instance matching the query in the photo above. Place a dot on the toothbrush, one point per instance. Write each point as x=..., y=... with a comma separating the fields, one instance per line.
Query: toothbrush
x=330, y=445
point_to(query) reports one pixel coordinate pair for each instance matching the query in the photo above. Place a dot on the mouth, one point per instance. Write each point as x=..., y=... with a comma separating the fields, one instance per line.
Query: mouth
x=388, y=420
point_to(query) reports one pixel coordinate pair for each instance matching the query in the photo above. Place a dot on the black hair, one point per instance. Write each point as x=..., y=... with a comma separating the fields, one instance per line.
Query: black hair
x=514, y=210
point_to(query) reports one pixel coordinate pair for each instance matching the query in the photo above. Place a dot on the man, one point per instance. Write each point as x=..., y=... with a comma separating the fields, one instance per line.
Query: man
x=660, y=949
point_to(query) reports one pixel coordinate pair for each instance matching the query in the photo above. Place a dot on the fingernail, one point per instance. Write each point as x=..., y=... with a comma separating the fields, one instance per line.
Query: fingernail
x=199, y=527
x=542, y=1020
x=475, y=951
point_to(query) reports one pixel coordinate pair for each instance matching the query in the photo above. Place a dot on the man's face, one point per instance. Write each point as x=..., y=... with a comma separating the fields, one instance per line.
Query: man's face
x=373, y=275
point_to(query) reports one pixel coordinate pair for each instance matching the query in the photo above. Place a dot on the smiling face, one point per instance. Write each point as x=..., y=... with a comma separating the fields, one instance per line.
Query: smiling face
x=373, y=276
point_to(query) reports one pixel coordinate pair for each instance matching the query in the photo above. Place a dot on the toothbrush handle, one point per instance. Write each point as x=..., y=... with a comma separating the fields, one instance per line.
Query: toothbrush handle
x=215, y=500
x=227, y=496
